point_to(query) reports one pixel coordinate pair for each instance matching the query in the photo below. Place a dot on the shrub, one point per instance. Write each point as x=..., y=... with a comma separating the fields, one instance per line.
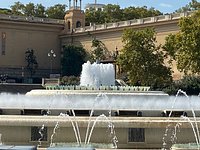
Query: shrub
x=70, y=80
x=189, y=84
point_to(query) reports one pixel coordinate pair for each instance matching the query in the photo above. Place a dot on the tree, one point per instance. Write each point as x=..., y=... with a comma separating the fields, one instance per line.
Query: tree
x=142, y=60
x=94, y=16
x=56, y=11
x=139, y=12
x=29, y=9
x=17, y=8
x=5, y=11
x=193, y=5
x=99, y=51
x=184, y=47
x=113, y=13
x=72, y=60
x=40, y=11
x=31, y=60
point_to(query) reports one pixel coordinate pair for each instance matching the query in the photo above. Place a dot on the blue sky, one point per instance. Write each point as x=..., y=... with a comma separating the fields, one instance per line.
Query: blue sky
x=165, y=6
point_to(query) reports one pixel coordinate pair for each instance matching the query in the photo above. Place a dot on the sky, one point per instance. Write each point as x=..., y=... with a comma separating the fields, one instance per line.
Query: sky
x=165, y=6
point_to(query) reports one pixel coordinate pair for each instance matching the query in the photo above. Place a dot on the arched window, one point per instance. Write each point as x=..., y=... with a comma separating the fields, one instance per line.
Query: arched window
x=68, y=25
x=78, y=24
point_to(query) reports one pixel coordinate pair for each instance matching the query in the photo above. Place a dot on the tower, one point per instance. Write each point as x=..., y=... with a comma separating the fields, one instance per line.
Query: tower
x=75, y=17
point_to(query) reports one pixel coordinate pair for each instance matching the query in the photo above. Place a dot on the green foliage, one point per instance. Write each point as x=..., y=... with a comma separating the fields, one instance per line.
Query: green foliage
x=184, y=47
x=70, y=80
x=110, y=13
x=17, y=8
x=29, y=9
x=193, y=5
x=99, y=52
x=56, y=12
x=72, y=60
x=40, y=11
x=93, y=16
x=31, y=60
x=142, y=60
x=139, y=12
x=113, y=13
x=5, y=11
x=189, y=84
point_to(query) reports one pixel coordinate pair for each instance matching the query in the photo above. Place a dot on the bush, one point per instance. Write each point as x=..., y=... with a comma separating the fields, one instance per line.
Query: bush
x=70, y=80
x=189, y=84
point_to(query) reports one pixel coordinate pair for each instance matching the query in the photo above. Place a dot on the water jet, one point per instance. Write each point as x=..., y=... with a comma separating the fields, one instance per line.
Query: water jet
x=136, y=113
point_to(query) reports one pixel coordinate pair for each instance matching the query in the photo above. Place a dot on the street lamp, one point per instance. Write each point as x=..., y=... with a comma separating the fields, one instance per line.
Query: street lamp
x=52, y=55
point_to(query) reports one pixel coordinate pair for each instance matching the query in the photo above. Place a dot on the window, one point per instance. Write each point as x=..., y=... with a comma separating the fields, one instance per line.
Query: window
x=69, y=25
x=3, y=42
x=136, y=135
x=38, y=133
x=78, y=24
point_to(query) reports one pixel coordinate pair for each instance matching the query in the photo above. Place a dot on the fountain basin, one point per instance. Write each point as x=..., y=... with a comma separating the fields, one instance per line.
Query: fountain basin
x=98, y=100
x=69, y=148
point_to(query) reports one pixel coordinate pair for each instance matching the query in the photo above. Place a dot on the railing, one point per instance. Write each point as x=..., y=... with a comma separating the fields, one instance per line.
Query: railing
x=134, y=22
x=31, y=19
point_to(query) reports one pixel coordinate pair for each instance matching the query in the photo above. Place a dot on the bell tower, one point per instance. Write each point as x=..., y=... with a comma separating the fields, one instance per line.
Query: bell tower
x=75, y=17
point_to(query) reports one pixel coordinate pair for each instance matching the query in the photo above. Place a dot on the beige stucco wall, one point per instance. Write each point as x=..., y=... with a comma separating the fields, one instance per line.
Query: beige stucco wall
x=112, y=38
x=38, y=36
x=42, y=37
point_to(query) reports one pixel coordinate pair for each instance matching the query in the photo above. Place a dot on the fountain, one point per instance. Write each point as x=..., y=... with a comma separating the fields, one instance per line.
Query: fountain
x=97, y=74
x=76, y=114
x=194, y=126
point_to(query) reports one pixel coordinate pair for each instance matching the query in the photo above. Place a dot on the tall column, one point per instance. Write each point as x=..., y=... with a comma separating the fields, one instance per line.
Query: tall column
x=74, y=4
x=69, y=4
x=80, y=4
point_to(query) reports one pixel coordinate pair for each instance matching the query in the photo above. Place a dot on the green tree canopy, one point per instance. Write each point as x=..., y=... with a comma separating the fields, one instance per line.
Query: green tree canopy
x=94, y=17
x=99, y=51
x=110, y=12
x=40, y=11
x=113, y=13
x=193, y=5
x=142, y=60
x=72, y=60
x=57, y=11
x=5, y=11
x=184, y=47
x=29, y=9
x=17, y=8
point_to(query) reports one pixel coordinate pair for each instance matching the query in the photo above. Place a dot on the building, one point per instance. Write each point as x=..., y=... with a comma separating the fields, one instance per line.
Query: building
x=43, y=35
x=94, y=6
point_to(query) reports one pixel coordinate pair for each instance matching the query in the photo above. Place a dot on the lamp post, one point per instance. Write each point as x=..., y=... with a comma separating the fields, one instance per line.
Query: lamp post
x=51, y=55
